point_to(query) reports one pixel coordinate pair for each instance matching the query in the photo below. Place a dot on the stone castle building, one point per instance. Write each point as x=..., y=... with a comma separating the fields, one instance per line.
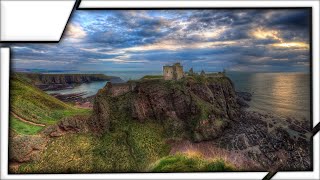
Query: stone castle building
x=174, y=72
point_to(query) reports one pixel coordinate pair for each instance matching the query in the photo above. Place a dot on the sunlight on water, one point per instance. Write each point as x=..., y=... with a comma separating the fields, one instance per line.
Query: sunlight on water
x=284, y=94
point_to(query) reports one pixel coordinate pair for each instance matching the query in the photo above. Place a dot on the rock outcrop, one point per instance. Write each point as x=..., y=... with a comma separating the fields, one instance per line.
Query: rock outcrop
x=74, y=124
x=25, y=148
x=198, y=108
x=243, y=98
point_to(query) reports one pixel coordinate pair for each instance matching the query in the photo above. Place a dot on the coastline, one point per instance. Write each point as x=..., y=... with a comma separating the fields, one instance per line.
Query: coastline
x=248, y=137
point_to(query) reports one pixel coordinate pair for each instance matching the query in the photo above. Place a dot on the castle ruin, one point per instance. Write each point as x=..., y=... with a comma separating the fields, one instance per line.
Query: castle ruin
x=174, y=72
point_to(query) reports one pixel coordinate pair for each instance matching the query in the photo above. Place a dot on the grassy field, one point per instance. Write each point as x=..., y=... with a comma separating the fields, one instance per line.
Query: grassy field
x=31, y=104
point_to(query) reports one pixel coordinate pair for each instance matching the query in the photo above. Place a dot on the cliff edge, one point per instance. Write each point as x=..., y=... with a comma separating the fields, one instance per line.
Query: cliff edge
x=197, y=107
x=61, y=81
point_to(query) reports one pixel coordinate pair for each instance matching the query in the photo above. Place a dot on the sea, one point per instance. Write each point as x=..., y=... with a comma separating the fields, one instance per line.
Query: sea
x=282, y=94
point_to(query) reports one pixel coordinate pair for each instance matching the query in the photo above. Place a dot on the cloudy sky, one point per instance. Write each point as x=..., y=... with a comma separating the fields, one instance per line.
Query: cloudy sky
x=237, y=40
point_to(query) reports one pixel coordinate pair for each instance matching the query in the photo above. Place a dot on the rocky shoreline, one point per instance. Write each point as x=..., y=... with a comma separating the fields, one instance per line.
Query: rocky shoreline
x=270, y=141
x=205, y=115
x=77, y=99
x=274, y=143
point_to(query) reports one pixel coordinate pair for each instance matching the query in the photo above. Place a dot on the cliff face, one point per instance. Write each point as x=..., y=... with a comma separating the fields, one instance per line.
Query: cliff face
x=198, y=108
x=56, y=81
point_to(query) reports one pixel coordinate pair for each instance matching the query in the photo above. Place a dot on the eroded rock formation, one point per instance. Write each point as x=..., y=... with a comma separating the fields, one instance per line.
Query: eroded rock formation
x=198, y=109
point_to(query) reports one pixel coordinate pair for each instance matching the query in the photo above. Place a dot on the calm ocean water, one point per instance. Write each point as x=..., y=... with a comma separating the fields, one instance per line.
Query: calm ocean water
x=92, y=88
x=283, y=94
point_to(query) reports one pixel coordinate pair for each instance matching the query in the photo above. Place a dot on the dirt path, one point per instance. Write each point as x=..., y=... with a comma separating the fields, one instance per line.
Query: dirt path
x=26, y=121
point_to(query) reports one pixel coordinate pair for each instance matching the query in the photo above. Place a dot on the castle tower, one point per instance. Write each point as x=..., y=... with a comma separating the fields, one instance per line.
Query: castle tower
x=174, y=72
x=168, y=72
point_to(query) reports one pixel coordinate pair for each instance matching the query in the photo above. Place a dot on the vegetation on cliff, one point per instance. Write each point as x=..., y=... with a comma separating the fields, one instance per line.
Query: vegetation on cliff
x=152, y=77
x=58, y=81
x=129, y=149
x=198, y=108
x=149, y=125
x=38, y=78
x=133, y=128
x=184, y=163
x=31, y=109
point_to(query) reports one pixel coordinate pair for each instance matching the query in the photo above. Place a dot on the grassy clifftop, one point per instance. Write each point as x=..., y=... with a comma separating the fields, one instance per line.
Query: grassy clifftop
x=32, y=109
x=61, y=81
x=196, y=107
x=38, y=78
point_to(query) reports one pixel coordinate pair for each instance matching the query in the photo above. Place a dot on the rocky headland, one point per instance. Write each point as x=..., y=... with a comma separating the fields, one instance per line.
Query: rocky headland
x=186, y=108
x=62, y=81
x=206, y=110
x=133, y=125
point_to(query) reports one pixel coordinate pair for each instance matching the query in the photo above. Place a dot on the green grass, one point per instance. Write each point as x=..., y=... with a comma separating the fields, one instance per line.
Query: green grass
x=152, y=77
x=129, y=146
x=40, y=78
x=66, y=154
x=32, y=104
x=183, y=163
x=24, y=128
x=129, y=149
x=147, y=142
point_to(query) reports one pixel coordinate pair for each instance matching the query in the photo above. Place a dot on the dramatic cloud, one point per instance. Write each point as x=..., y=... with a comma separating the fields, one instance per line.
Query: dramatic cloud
x=75, y=32
x=238, y=40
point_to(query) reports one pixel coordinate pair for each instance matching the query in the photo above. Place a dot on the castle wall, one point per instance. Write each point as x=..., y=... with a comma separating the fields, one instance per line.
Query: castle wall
x=168, y=73
x=179, y=72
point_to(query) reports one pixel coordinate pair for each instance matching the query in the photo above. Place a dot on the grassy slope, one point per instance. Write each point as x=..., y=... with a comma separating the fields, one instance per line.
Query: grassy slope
x=32, y=104
x=24, y=128
x=130, y=149
x=183, y=163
